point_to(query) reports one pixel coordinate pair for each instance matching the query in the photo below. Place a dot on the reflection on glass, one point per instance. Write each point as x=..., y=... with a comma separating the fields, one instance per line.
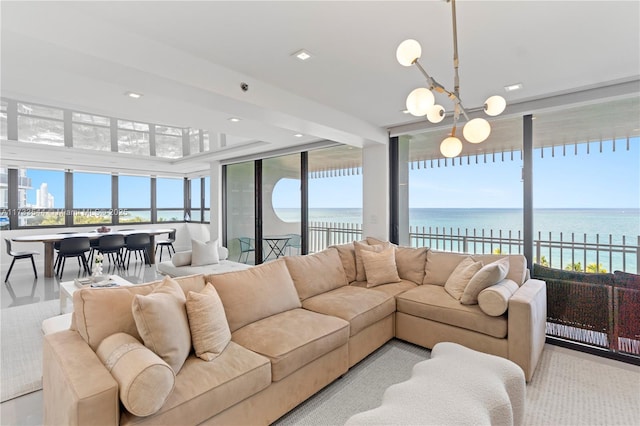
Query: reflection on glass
x=240, y=212
x=40, y=130
x=91, y=137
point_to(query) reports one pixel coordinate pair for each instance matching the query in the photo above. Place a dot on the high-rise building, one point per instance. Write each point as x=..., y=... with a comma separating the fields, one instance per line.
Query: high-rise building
x=44, y=200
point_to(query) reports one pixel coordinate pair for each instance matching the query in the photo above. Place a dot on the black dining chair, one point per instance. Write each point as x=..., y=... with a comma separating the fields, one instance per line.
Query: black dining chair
x=168, y=243
x=112, y=245
x=137, y=244
x=73, y=247
x=27, y=254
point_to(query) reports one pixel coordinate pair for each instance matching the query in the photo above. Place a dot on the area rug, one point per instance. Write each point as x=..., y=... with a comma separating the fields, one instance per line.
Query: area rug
x=21, y=342
x=568, y=388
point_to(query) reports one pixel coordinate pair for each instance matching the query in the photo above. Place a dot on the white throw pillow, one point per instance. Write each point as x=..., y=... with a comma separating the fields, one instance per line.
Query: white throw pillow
x=182, y=258
x=489, y=275
x=204, y=253
x=223, y=253
x=460, y=277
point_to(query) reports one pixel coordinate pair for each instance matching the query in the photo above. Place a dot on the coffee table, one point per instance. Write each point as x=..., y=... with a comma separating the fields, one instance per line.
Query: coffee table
x=67, y=288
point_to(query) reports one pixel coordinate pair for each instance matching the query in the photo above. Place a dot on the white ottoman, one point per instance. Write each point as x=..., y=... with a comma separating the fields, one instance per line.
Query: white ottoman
x=456, y=386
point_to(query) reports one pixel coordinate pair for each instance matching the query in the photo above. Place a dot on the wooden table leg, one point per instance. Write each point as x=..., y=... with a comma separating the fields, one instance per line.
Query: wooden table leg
x=48, y=259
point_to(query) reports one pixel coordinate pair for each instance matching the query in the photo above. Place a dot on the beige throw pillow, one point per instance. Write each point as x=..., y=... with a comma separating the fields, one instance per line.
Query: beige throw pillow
x=209, y=328
x=359, y=248
x=145, y=381
x=460, y=277
x=489, y=275
x=494, y=300
x=161, y=320
x=380, y=267
x=181, y=258
x=204, y=253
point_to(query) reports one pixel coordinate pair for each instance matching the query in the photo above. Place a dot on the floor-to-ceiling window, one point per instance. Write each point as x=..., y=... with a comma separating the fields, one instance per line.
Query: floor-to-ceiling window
x=240, y=211
x=134, y=200
x=471, y=203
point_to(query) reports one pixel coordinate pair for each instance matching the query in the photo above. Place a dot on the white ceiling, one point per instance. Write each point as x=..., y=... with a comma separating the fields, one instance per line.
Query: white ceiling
x=189, y=58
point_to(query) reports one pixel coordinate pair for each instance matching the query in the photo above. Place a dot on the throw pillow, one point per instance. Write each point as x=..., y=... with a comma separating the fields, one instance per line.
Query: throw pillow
x=359, y=248
x=161, y=320
x=223, y=253
x=144, y=380
x=182, y=258
x=204, y=253
x=461, y=276
x=494, y=300
x=209, y=328
x=380, y=267
x=489, y=275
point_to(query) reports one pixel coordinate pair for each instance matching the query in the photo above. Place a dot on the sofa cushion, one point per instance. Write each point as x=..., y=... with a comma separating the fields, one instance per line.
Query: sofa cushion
x=517, y=265
x=181, y=258
x=494, y=300
x=347, y=254
x=391, y=289
x=145, y=381
x=411, y=263
x=161, y=320
x=292, y=339
x=461, y=276
x=208, y=324
x=440, y=265
x=434, y=303
x=487, y=276
x=380, y=267
x=256, y=293
x=316, y=273
x=92, y=305
x=204, y=389
x=204, y=253
x=359, y=247
x=360, y=306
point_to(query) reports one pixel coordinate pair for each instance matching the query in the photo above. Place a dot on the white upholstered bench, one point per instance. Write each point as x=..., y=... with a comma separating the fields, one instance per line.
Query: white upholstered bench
x=456, y=386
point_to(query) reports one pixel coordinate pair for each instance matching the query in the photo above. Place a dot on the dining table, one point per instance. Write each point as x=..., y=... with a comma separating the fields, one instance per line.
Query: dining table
x=277, y=244
x=50, y=239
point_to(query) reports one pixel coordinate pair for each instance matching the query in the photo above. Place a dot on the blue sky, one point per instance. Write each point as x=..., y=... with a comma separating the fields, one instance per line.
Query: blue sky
x=598, y=180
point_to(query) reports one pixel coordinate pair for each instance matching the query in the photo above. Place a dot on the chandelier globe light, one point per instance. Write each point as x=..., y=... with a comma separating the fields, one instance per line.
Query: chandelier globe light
x=421, y=101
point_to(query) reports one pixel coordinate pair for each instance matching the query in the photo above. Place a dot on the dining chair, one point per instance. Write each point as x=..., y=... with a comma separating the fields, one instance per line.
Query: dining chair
x=73, y=247
x=137, y=243
x=295, y=242
x=168, y=243
x=112, y=245
x=247, y=245
x=27, y=254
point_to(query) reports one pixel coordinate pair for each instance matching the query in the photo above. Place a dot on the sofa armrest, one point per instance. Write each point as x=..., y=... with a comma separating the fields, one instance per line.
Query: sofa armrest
x=527, y=316
x=77, y=388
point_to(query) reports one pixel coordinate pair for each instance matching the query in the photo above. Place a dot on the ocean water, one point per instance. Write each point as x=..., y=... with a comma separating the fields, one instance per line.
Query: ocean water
x=591, y=225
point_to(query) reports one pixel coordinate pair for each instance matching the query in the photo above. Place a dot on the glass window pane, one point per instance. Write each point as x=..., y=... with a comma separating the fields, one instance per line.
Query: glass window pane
x=168, y=146
x=240, y=211
x=90, y=119
x=40, y=189
x=40, y=130
x=170, y=215
x=91, y=191
x=131, y=125
x=166, y=130
x=91, y=137
x=194, y=141
x=3, y=120
x=195, y=194
x=205, y=140
x=134, y=192
x=335, y=217
x=39, y=110
x=133, y=142
x=134, y=216
x=207, y=192
x=170, y=194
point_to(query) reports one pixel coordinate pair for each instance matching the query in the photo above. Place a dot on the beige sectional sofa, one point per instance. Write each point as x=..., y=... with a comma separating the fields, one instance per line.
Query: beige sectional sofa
x=294, y=325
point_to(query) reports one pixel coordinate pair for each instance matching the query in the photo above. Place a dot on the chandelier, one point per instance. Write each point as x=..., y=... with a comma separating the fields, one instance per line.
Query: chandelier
x=421, y=101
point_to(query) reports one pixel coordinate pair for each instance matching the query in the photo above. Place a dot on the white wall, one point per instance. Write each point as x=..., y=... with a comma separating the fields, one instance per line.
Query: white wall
x=375, y=193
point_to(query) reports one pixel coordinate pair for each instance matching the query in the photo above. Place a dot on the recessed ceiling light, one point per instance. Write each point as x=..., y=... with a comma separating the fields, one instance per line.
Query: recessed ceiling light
x=234, y=119
x=133, y=95
x=404, y=111
x=302, y=54
x=512, y=87
x=298, y=135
